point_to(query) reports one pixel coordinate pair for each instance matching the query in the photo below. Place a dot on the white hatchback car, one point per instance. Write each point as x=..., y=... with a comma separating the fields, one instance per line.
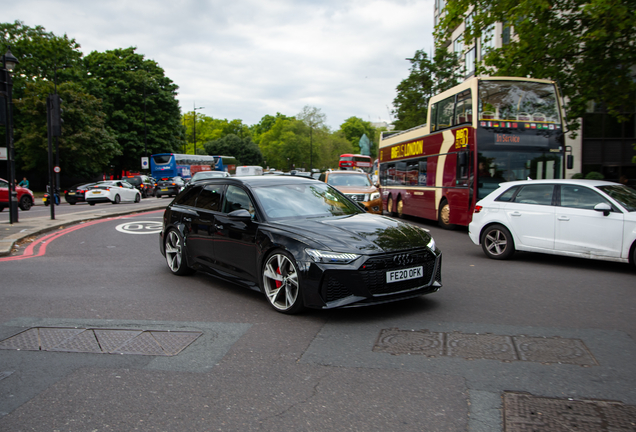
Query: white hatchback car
x=114, y=191
x=582, y=218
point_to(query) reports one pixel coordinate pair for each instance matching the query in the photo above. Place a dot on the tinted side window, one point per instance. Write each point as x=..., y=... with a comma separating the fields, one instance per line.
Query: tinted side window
x=580, y=197
x=423, y=168
x=189, y=197
x=210, y=197
x=507, y=195
x=535, y=194
x=235, y=199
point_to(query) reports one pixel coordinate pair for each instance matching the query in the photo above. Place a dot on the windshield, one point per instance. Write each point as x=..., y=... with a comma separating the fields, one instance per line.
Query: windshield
x=348, y=180
x=303, y=200
x=135, y=181
x=498, y=167
x=624, y=195
x=518, y=101
x=207, y=174
x=162, y=159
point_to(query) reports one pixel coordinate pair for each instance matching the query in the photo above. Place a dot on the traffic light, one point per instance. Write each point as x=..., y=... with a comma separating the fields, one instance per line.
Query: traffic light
x=56, y=114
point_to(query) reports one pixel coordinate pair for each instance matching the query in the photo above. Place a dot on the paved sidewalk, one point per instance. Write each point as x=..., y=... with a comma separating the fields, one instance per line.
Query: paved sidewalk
x=27, y=227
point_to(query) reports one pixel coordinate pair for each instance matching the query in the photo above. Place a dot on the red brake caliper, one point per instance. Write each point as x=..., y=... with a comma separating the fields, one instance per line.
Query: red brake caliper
x=278, y=283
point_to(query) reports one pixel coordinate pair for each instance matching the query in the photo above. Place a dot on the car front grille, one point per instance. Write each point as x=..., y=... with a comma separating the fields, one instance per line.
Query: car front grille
x=372, y=275
x=374, y=271
x=356, y=197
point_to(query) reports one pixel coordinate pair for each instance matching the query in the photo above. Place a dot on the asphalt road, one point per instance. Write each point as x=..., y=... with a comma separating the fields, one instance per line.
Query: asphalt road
x=254, y=369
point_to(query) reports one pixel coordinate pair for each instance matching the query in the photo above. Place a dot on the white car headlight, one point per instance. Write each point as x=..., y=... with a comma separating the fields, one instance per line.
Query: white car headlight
x=374, y=196
x=328, y=257
x=431, y=244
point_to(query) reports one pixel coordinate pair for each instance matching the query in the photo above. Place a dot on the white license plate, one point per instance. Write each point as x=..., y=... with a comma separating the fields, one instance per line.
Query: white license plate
x=404, y=274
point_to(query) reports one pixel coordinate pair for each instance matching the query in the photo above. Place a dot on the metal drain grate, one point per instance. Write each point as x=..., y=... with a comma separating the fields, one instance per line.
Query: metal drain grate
x=524, y=412
x=101, y=341
x=484, y=346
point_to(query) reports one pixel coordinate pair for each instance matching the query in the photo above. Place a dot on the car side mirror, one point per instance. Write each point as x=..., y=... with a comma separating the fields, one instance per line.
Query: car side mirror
x=603, y=207
x=240, y=214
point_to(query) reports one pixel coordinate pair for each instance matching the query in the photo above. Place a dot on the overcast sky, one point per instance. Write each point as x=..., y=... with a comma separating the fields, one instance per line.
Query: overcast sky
x=243, y=59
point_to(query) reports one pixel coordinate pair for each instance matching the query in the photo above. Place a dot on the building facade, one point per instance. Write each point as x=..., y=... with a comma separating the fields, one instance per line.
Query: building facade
x=602, y=144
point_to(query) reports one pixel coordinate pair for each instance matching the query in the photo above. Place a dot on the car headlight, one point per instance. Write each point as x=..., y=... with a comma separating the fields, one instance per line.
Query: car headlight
x=431, y=244
x=374, y=196
x=328, y=257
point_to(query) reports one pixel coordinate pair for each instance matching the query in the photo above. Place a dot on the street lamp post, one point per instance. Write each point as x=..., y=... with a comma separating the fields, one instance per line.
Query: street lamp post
x=8, y=64
x=194, y=127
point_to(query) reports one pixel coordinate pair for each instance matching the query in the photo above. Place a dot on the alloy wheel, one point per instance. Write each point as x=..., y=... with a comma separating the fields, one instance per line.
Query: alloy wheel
x=281, y=285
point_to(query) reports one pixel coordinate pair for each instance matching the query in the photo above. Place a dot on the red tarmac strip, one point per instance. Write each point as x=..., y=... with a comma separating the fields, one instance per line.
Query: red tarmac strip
x=41, y=243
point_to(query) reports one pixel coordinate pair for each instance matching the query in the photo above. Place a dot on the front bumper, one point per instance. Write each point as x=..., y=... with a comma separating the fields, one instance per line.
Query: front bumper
x=363, y=282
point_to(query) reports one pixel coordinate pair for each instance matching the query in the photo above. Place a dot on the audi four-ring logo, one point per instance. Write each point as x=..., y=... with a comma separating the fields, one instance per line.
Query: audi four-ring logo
x=403, y=259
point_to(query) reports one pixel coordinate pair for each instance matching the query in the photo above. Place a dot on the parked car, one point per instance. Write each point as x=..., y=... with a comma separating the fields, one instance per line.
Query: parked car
x=143, y=184
x=581, y=218
x=76, y=193
x=299, y=241
x=169, y=186
x=24, y=196
x=202, y=175
x=113, y=191
x=357, y=186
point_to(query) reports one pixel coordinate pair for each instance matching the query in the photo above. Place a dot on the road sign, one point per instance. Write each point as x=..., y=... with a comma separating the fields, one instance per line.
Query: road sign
x=144, y=163
x=57, y=169
x=3, y=153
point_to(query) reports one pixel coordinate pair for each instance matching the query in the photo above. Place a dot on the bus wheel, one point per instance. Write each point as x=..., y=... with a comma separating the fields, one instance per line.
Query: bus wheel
x=400, y=208
x=389, y=205
x=443, y=218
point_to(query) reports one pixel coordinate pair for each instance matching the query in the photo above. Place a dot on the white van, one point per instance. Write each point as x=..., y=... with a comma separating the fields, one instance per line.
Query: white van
x=249, y=170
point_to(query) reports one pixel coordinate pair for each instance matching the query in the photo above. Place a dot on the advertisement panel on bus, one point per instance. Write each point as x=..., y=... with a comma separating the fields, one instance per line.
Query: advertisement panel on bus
x=167, y=165
x=480, y=133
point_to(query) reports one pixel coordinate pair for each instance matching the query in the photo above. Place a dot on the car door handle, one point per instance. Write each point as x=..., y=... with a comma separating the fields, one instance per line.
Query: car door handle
x=515, y=213
x=563, y=218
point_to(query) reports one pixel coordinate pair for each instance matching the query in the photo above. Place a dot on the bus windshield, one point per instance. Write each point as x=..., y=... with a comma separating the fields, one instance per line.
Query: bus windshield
x=518, y=101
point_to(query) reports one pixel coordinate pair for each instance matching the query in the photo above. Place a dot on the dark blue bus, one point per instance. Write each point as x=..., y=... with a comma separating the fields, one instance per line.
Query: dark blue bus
x=167, y=165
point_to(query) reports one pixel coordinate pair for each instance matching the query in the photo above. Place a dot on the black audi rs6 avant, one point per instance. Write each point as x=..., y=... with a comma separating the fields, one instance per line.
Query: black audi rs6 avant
x=299, y=241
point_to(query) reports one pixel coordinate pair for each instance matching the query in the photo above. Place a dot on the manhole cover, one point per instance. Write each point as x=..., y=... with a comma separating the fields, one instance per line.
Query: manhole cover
x=524, y=412
x=484, y=346
x=101, y=341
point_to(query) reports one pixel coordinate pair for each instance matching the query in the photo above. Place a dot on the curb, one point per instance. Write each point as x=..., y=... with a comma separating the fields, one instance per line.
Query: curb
x=42, y=225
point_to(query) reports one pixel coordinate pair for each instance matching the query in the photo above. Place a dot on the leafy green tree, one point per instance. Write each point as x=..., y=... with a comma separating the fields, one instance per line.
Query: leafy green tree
x=42, y=56
x=243, y=149
x=427, y=78
x=266, y=123
x=315, y=121
x=86, y=145
x=137, y=97
x=585, y=45
x=209, y=129
x=353, y=128
x=286, y=143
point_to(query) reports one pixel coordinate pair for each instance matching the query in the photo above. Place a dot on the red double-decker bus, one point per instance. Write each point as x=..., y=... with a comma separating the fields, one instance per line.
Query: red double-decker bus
x=353, y=161
x=480, y=133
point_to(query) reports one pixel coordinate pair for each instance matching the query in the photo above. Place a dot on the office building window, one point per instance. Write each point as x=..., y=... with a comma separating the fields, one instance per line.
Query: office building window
x=469, y=61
